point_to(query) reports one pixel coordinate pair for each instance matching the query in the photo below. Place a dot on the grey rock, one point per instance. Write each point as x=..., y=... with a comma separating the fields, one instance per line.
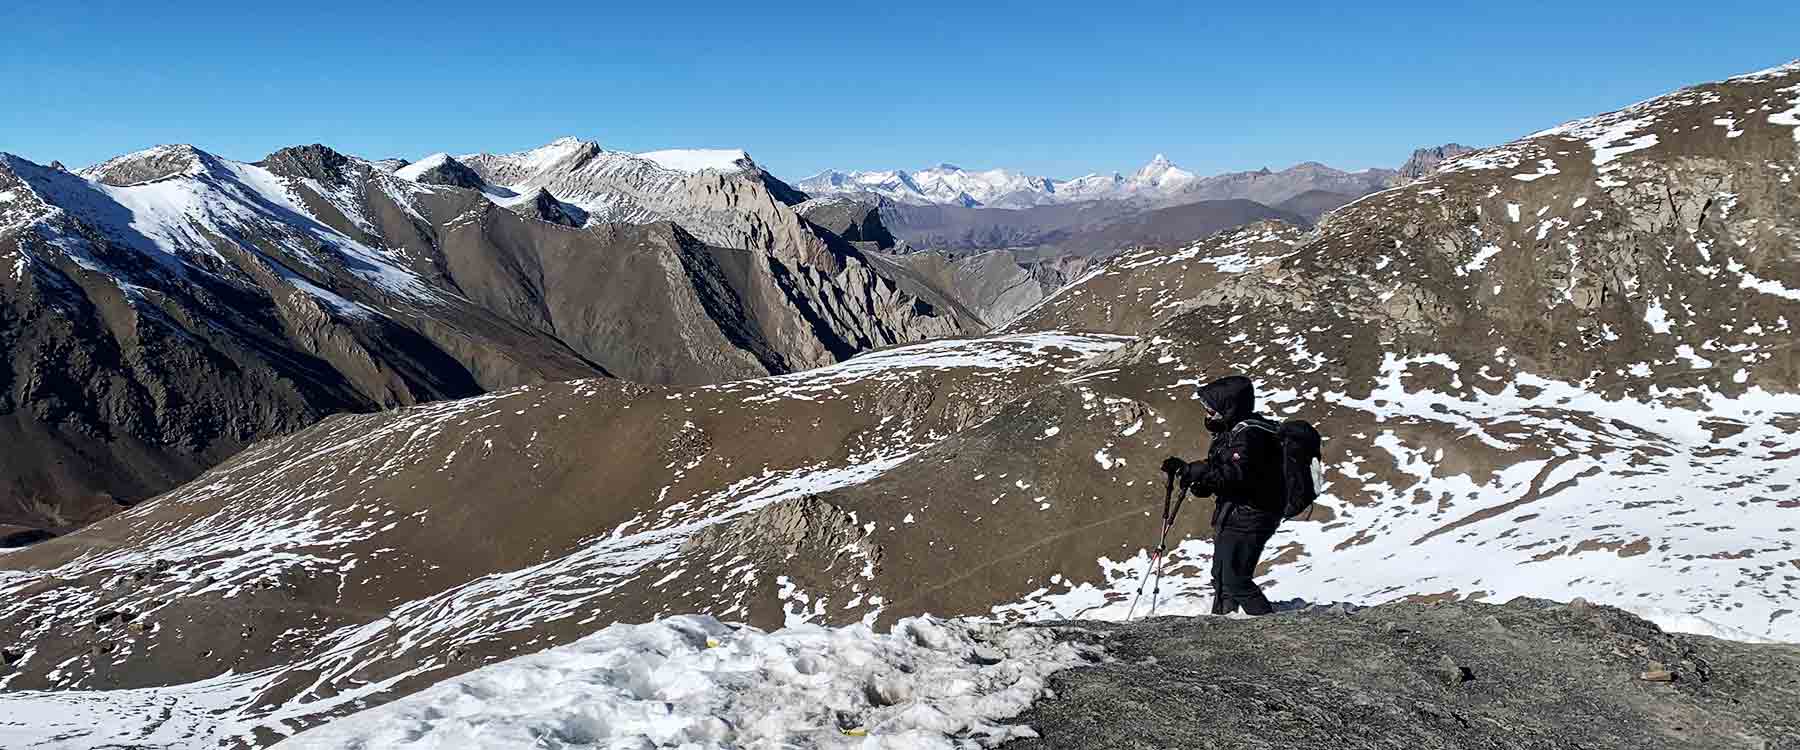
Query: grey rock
x=856, y=221
x=1424, y=161
x=452, y=173
x=1442, y=679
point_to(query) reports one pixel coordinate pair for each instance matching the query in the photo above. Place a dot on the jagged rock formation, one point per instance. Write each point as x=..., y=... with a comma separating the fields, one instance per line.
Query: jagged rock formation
x=1527, y=674
x=1424, y=161
x=166, y=308
x=442, y=169
x=857, y=222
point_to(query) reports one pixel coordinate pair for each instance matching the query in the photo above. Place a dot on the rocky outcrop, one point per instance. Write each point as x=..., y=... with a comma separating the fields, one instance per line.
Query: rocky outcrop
x=855, y=221
x=1527, y=674
x=315, y=162
x=1424, y=161
x=545, y=207
x=447, y=171
x=150, y=165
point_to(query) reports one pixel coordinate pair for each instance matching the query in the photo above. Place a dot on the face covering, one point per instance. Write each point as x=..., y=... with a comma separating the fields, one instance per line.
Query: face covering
x=1216, y=423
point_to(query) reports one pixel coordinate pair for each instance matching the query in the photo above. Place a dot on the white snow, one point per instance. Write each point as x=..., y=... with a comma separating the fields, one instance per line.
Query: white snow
x=693, y=682
x=1546, y=167
x=1480, y=261
x=1656, y=316
x=418, y=168
x=1677, y=621
x=1791, y=117
x=997, y=354
x=1767, y=286
x=698, y=160
x=1612, y=143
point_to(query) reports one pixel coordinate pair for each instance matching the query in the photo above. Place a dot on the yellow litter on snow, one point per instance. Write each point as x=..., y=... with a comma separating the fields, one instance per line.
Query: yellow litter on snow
x=712, y=643
x=857, y=732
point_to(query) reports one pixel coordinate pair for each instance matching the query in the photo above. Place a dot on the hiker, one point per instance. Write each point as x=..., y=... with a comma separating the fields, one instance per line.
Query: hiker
x=1243, y=471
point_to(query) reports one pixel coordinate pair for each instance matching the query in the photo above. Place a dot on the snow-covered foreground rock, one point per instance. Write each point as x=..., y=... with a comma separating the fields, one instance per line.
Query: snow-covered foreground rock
x=691, y=681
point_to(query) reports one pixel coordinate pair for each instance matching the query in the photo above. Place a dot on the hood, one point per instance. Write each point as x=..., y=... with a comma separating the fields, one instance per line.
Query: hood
x=1234, y=398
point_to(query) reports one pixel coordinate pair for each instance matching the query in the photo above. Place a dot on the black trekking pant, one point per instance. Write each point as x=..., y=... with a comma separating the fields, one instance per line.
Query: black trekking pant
x=1237, y=547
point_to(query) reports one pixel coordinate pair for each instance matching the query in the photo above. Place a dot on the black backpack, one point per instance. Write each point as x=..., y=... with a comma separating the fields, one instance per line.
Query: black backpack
x=1302, y=467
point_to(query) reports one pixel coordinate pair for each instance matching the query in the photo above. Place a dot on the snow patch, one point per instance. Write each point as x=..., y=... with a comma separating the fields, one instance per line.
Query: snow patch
x=694, y=682
x=418, y=168
x=699, y=160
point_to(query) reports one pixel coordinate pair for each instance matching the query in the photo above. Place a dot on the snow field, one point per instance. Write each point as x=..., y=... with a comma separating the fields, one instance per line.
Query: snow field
x=693, y=682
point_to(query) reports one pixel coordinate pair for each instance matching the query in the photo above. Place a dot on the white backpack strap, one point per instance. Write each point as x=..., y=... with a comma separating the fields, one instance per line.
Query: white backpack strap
x=1260, y=424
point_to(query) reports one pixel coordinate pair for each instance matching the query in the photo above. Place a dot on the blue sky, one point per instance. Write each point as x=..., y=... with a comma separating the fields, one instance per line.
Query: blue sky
x=1053, y=88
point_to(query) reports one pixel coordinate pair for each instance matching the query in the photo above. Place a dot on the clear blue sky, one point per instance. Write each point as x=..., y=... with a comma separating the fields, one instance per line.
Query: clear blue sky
x=1058, y=88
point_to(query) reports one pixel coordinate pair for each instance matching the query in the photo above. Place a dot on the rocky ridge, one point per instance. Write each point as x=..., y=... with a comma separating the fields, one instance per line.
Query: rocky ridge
x=1424, y=161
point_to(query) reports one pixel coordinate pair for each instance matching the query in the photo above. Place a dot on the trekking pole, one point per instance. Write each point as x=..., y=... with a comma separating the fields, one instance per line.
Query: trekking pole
x=1156, y=588
x=1156, y=557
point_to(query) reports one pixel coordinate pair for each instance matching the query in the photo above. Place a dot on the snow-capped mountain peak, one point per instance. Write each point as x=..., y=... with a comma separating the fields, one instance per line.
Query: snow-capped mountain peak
x=151, y=165
x=1161, y=174
x=414, y=170
x=701, y=159
x=949, y=184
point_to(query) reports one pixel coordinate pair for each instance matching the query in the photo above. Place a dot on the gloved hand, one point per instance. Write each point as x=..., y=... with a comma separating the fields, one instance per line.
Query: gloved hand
x=1174, y=465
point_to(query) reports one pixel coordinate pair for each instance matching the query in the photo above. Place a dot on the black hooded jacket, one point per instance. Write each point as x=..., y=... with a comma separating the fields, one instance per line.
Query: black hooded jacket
x=1243, y=467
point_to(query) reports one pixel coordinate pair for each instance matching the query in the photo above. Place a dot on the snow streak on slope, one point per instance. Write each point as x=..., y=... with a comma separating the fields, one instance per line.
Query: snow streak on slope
x=694, y=682
x=995, y=353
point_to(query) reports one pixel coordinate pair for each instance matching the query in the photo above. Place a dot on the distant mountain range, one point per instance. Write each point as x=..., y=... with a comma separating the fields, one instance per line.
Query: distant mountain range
x=1158, y=182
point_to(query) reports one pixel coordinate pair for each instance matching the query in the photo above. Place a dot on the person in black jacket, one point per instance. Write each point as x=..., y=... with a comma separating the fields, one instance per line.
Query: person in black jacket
x=1242, y=470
